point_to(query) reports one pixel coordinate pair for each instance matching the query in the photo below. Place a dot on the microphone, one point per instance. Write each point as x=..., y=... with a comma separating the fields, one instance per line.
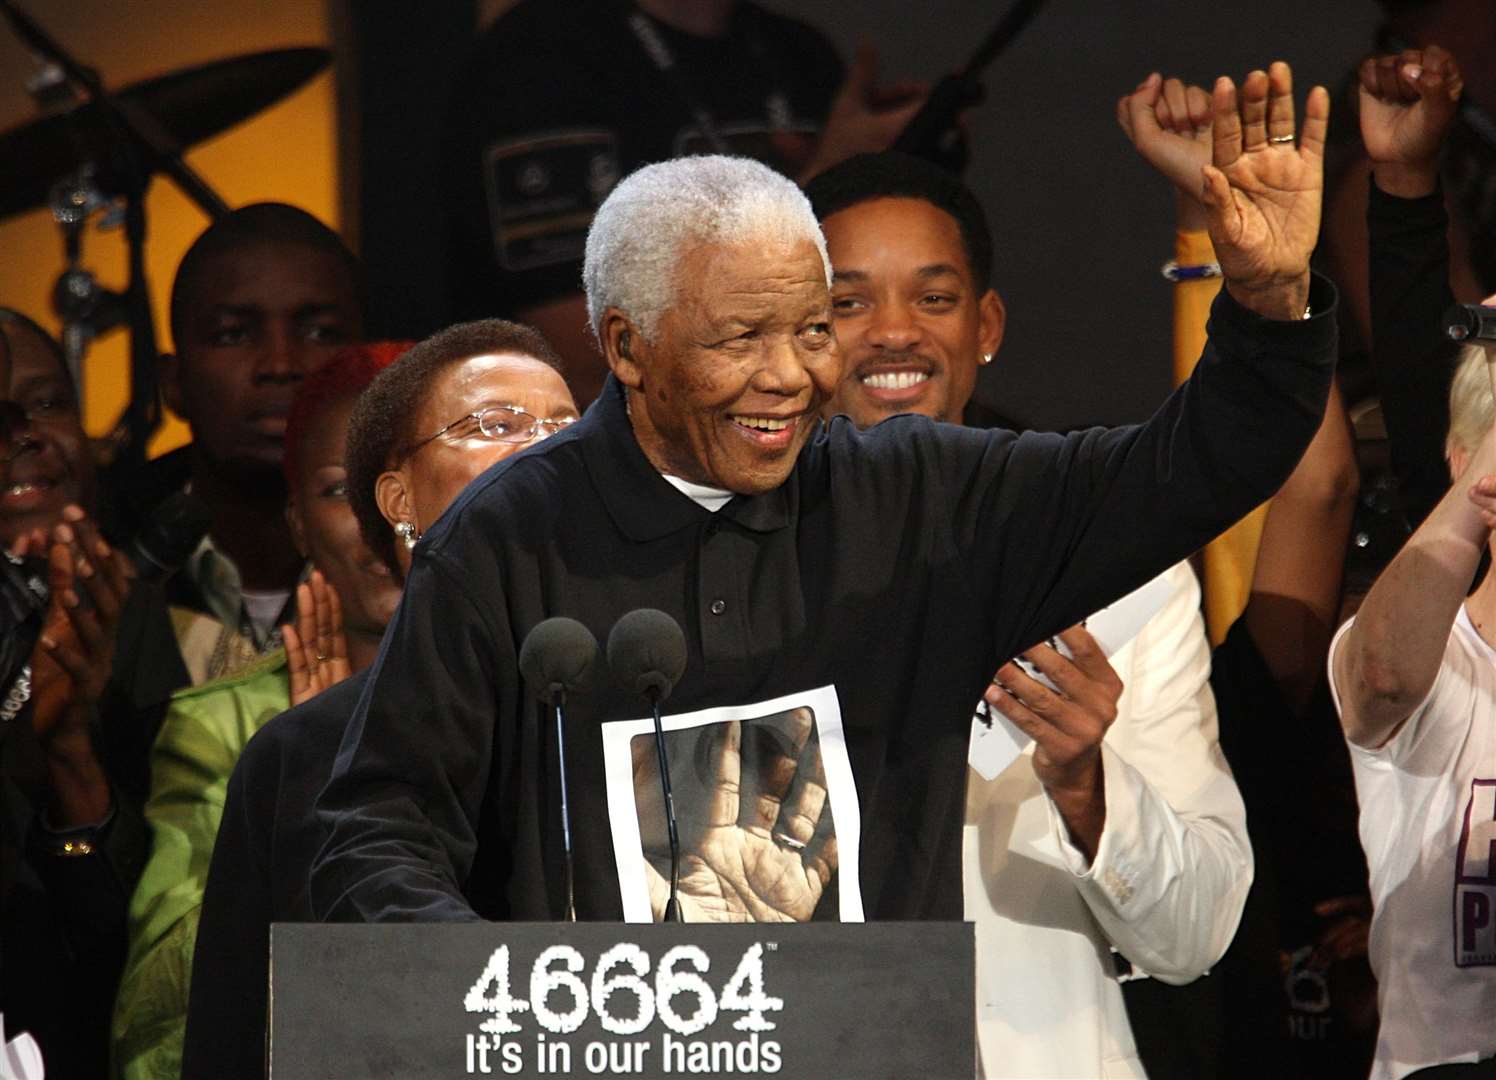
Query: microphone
x=647, y=652
x=1465, y=321
x=169, y=536
x=558, y=658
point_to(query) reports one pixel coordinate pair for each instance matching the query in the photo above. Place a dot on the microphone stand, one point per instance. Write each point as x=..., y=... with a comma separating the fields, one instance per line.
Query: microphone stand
x=144, y=146
x=558, y=699
x=935, y=134
x=672, y=906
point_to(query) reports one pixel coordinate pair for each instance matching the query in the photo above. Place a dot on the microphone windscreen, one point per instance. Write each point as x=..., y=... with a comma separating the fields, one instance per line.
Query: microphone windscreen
x=169, y=537
x=647, y=652
x=560, y=654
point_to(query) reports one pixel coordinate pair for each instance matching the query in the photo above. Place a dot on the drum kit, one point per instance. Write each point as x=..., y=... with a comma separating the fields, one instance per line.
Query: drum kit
x=92, y=157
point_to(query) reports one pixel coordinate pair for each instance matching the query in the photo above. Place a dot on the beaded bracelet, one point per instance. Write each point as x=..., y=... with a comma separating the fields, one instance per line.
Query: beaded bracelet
x=1172, y=271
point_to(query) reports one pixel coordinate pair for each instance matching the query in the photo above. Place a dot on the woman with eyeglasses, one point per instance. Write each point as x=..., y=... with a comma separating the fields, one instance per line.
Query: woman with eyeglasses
x=459, y=402
x=428, y=425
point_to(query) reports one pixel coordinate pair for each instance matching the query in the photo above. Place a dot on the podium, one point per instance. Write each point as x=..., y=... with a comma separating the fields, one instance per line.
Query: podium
x=859, y=1001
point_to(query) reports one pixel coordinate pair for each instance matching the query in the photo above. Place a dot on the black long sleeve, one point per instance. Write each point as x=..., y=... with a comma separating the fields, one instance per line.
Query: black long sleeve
x=1413, y=362
x=894, y=569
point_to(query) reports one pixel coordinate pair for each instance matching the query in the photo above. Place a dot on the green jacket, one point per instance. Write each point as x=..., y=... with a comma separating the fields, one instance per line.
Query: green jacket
x=202, y=736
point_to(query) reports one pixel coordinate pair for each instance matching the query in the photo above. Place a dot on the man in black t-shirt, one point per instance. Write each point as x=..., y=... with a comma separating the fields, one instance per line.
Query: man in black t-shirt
x=561, y=99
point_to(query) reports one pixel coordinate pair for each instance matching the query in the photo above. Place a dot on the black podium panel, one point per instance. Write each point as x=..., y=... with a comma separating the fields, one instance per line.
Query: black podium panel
x=820, y=1000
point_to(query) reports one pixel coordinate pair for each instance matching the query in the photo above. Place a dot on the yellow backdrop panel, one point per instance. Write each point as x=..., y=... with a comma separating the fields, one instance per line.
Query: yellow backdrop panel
x=287, y=153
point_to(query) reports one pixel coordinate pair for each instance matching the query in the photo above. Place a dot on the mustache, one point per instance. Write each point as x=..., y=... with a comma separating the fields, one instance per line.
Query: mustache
x=902, y=358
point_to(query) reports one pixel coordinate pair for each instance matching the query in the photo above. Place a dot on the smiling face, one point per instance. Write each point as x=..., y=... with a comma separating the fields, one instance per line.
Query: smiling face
x=421, y=488
x=260, y=320
x=44, y=461
x=326, y=530
x=730, y=388
x=912, y=322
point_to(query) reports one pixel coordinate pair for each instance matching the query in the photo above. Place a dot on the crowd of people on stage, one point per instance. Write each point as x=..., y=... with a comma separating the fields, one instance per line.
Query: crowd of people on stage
x=273, y=676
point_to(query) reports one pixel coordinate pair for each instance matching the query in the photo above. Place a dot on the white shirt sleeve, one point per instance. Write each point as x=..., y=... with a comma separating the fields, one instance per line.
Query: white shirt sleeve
x=1174, y=864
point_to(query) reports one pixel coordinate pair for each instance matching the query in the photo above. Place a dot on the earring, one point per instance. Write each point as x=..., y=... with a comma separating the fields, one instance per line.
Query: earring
x=407, y=532
x=986, y=358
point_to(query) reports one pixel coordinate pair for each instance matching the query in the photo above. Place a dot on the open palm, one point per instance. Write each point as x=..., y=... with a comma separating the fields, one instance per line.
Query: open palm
x=1262, y=192
x=757, y=845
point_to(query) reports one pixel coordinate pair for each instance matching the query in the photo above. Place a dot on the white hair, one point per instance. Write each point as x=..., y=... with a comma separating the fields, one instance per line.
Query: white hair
x=1471, y=405
x=646, y=224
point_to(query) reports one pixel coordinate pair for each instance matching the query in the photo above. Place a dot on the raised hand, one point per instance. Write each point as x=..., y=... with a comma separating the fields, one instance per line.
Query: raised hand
x=1262, y=192
x=316, y=648
x=1169, y=123
x=1067, y=725
x=759, y=845
x=865, y=117
x=1407, y=102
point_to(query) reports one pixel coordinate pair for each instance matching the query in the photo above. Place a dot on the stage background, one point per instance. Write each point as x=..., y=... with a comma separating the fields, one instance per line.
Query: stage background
x=1081, y=225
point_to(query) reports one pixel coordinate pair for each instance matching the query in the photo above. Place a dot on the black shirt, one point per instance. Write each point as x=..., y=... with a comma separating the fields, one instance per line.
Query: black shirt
x=266, y=842
x=898, y=567
x=560, y=101
x=1414, y=362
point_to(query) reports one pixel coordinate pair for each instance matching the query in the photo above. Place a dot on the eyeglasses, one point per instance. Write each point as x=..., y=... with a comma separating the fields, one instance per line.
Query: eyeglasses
x=501, y=423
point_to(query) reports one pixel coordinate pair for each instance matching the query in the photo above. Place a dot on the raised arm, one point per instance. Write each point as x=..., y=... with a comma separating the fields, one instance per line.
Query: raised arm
x=1262, y=193
x=1385, y=665
x=1115, y=508
x=1295, y=596
x=1407, y=103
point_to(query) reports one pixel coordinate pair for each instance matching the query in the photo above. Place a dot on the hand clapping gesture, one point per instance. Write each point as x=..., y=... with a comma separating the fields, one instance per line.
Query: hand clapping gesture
x=316, y=648
x=1067, y=725
x=89, y=583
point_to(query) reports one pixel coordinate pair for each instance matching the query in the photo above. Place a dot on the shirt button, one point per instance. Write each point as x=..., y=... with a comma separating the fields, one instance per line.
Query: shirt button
x=719, y=606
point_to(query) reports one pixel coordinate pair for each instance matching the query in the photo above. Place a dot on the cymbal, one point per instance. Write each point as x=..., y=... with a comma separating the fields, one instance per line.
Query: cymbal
x=191, y=105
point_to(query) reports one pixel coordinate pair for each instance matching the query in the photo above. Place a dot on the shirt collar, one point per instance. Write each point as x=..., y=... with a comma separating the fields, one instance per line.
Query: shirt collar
x=641, y=502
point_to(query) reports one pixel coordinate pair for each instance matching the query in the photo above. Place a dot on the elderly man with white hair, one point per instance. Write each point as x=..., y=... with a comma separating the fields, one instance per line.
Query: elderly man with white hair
x=845, y=595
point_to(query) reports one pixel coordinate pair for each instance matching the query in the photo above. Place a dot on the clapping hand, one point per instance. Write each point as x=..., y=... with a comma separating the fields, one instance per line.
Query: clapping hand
x=759, y=845
x=89, y=583
x=316, y=647
x=1067, y=724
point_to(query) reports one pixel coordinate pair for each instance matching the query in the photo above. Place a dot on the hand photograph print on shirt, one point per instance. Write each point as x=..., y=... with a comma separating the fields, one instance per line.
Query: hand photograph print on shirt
x=757, y=838
x=764, y=804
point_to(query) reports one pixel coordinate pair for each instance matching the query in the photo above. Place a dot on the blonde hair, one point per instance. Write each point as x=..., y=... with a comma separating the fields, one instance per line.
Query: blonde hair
x=1471, y=404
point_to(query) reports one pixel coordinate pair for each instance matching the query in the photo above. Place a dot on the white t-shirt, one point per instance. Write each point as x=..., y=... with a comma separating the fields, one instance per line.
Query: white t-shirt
x=1428, y=825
